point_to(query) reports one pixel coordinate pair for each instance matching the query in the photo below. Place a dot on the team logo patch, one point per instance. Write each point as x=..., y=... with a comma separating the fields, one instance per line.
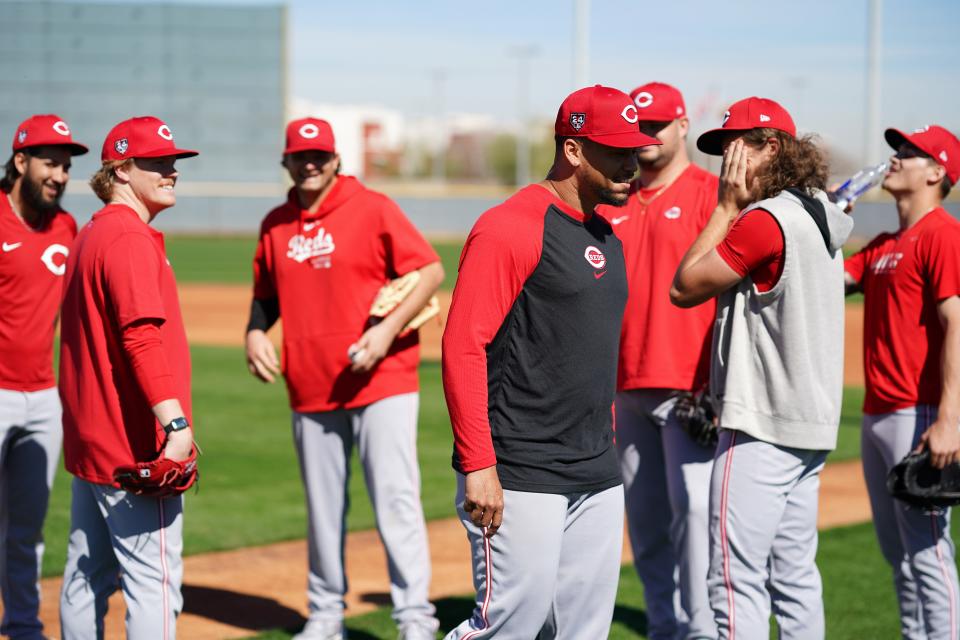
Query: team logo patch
x=726, y=116
x=61, y=127
x=577, y=120
x=595, y=257
x=57, y=267
x=21, y=136
x=634, y=117
x=164, y=132
x=311, y=130
x=672, y=213
x=121, y=146
x=643, y=99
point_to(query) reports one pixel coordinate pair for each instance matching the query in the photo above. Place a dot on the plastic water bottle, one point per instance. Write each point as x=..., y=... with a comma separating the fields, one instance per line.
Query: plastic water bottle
x=861, y=182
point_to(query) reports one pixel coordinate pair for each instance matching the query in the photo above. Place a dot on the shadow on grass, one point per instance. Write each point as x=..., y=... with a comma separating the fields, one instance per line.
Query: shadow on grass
x=243, y=610
x=633, y=618
x=453, y=611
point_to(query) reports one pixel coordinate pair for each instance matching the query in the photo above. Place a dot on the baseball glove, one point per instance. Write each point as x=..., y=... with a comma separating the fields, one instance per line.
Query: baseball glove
x=695, y=414
x=915, y=481
x=394, y=292
x=159, y=478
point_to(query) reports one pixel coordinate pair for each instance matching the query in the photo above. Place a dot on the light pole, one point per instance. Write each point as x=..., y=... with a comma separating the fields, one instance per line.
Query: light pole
x=523, y=54
x=874, y=51
x=440, y=157
x=581, y=43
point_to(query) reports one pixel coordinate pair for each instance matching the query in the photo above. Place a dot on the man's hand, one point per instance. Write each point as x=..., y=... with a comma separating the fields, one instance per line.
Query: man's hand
x=372, y=346
x=943, y=441
x=261, y=356
x=483, y=499
x=734, y=193
x=179, y=444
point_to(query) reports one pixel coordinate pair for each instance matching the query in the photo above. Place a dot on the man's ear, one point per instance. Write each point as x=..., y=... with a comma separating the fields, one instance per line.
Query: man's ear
x=122, y=172
x=573, y=151
x=936, y=173
x=20, y=161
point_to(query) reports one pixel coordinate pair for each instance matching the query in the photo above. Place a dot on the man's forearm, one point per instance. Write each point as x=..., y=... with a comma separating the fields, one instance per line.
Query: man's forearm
x=949, y=407
x=431, y=276
x=712, y=234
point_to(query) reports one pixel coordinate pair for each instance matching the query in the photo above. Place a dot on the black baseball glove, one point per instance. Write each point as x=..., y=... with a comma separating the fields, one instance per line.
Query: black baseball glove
x=915, y=481
x=695, y=414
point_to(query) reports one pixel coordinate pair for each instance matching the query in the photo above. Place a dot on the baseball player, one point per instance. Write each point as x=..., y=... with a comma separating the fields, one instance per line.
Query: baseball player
x=771, y=252
x=36, y=235
x=321, y=259
x=911, y=341
x=125, y=386
x=664, y=352
x=529, y=371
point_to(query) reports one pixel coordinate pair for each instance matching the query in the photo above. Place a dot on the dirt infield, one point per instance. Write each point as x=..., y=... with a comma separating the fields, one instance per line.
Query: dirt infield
x=237, y=593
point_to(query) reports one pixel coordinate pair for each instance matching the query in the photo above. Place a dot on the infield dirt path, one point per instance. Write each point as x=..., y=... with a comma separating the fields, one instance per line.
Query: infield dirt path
x=235, y=594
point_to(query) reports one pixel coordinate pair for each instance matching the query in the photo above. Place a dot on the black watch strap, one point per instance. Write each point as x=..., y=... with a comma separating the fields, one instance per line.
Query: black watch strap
x=177, y=424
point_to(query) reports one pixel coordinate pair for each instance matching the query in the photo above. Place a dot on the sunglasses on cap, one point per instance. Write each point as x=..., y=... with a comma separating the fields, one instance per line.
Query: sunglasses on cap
x=907, y=150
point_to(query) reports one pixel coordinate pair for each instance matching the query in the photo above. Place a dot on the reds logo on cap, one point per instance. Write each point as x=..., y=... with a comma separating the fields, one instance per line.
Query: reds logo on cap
x=309, y=130
x=633, y=118
x=164, y=132
x=595, y=257
x=61, y=127
x=644, y=99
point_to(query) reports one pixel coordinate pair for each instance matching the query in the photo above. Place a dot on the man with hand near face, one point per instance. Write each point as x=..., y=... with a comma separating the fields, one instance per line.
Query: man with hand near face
x=911, y=286
x=529, y=372
x=320, y=261
x=771, y=254
x=664, y=354
x=36, y=235
x=125, y=386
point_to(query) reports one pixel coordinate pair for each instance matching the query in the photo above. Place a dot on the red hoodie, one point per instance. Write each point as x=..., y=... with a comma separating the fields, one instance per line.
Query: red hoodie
x=326, y=268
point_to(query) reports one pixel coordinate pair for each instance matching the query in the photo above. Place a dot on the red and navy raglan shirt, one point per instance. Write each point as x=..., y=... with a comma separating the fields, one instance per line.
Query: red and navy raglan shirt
x=530, y=347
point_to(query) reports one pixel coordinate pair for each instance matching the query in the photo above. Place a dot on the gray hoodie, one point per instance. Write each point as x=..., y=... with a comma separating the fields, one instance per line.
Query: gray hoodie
x=777, y=363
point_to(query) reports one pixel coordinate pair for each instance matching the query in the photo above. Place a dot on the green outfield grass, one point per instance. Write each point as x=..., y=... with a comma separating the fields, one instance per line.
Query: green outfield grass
x=857, y=590
x=228, y=259
x=250, y=490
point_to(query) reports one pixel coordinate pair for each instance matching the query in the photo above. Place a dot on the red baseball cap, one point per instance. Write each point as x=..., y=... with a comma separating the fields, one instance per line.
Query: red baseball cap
x=658, y=102
x=46, y=130
x=141, y=137
x=750, y=113
x=309, y=134
x=602, y=114
x=936, y=142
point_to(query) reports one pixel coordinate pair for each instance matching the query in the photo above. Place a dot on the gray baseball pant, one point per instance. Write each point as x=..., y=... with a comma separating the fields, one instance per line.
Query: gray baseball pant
x=30, y=437
x=763, y=539
x=552, y=569
x=386, y=436
x=916, y=544
x=665, y=472
x=121, y=540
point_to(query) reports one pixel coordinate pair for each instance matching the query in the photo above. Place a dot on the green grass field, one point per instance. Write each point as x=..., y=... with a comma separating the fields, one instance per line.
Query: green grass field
x=228, y=259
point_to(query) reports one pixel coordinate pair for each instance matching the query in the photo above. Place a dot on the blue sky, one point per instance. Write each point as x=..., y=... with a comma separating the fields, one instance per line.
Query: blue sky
x=810, y=55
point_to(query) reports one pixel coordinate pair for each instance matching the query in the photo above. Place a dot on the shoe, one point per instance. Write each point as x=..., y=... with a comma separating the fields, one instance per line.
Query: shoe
x=426, y=630
x=320, y=630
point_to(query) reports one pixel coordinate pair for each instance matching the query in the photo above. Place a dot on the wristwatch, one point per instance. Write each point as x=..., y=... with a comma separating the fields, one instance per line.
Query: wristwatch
x=177, y=424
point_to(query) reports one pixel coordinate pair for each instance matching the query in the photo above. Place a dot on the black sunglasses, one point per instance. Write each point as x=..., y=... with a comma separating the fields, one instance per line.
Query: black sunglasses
x=909, y=151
